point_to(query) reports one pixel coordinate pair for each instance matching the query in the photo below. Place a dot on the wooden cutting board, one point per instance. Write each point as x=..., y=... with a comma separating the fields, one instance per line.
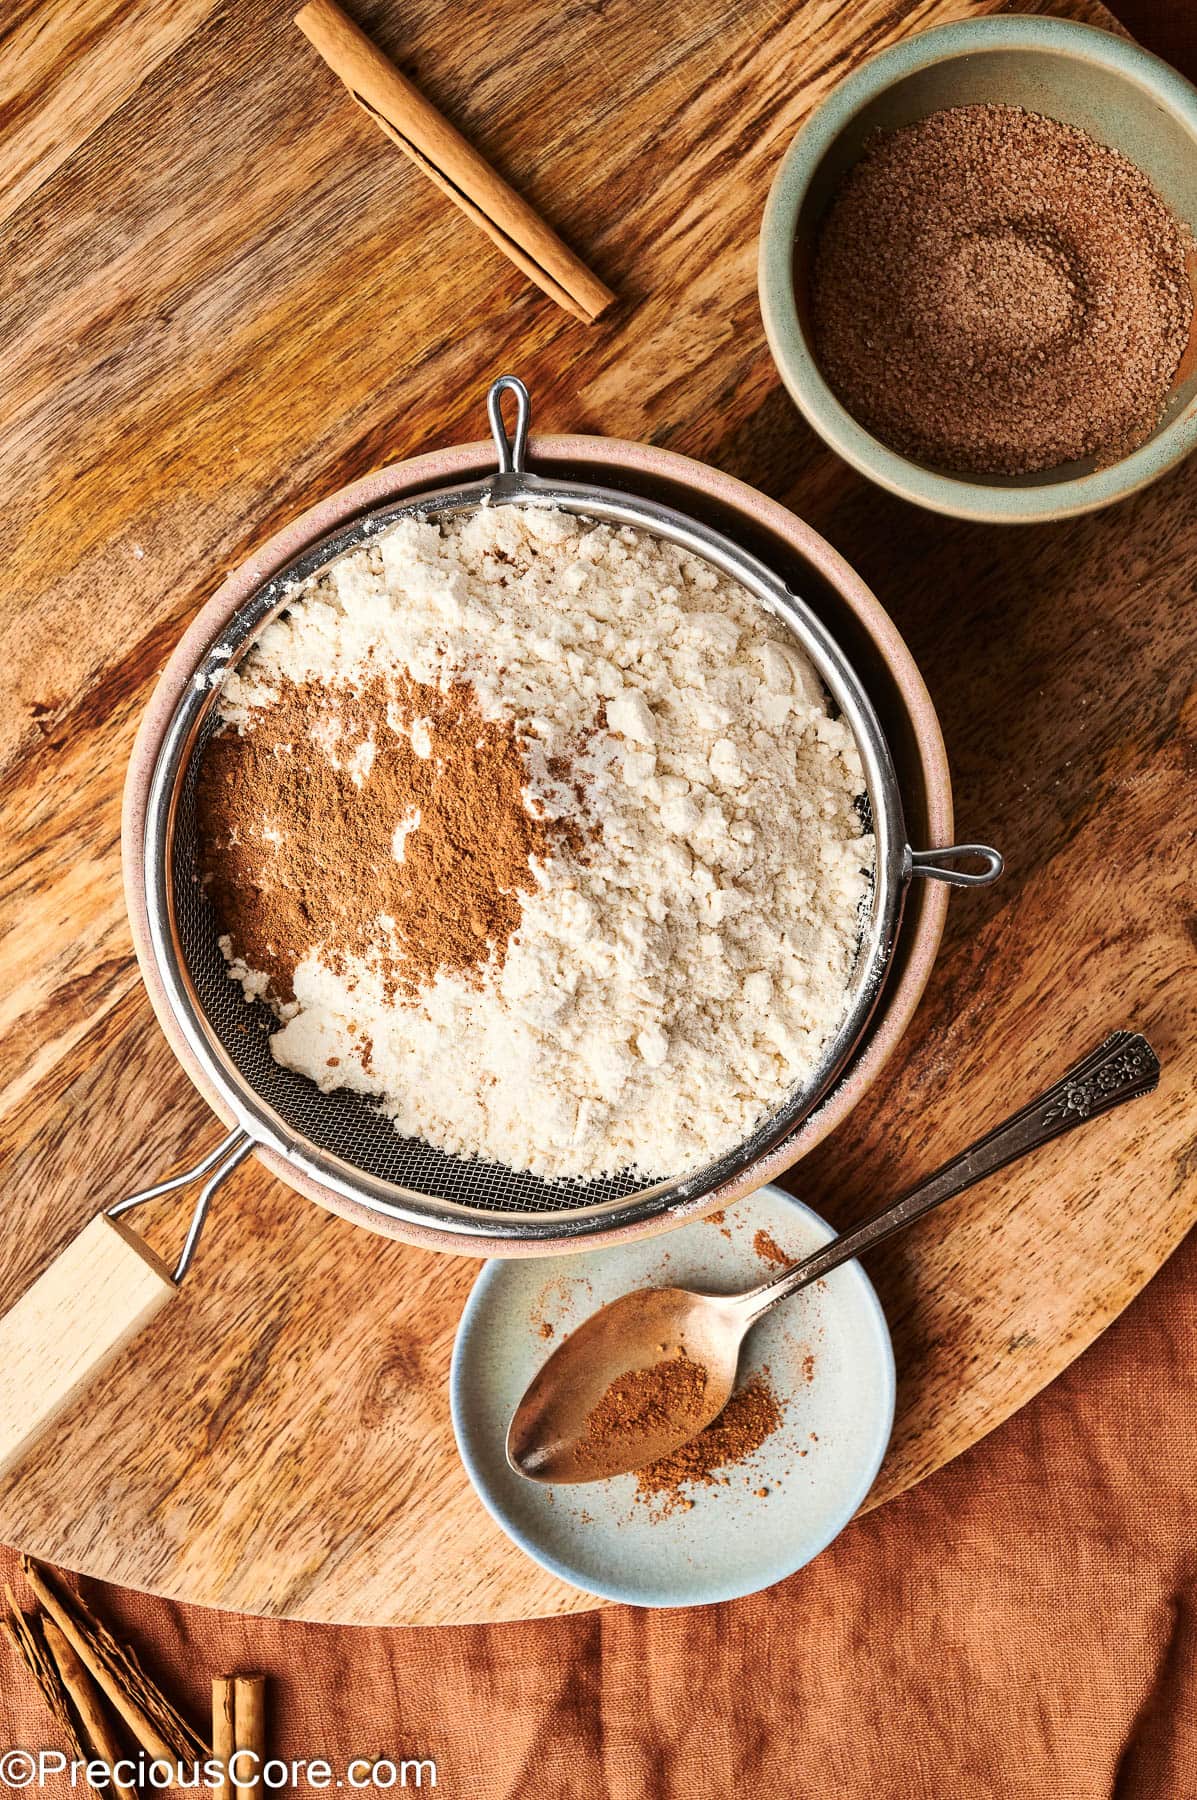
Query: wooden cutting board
x=224, y=294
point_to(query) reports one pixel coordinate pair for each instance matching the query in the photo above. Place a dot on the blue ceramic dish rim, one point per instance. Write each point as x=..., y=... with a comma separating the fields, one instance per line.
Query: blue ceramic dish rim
x=940, y=492
x=664, y=1597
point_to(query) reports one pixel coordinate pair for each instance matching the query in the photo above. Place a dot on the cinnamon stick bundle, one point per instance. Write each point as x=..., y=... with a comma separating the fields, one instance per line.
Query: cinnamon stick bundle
x=27, y=1639
x=162, y=1732
x=85, y=1697
x=70, y=1695
x=402, y=112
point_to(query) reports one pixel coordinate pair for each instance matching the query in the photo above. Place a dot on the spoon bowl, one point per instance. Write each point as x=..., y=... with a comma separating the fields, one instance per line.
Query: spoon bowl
x=552, y=1436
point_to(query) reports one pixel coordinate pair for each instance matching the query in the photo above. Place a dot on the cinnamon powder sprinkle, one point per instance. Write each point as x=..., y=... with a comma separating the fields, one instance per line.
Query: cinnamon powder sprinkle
x=769, y=1250
x=323, y=828
x=751, y=1415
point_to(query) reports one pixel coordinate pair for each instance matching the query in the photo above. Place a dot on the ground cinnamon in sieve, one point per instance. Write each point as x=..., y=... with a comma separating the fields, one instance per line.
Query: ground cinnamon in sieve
x=996, y=292
x=386, y=824
x=751, y=1415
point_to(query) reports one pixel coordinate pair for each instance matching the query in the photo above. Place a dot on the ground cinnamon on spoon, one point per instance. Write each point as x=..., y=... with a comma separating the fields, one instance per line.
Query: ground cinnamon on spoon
x=667, y=1393
x=646, y=1400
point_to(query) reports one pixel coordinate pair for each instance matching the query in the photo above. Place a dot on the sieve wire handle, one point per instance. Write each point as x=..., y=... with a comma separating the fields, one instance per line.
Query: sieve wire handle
x=939, y=865
x=97, y=1294
x=222, y=1161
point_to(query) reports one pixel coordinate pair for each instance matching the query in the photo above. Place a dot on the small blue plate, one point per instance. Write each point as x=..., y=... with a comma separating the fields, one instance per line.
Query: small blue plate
x=829, y=1360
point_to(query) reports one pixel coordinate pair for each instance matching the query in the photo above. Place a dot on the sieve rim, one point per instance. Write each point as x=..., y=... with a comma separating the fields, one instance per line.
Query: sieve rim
x=477, y=1229
x=891, y=866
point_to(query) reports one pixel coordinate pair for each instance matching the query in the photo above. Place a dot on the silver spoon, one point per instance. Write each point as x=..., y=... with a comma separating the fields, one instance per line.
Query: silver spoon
x=549, y=1438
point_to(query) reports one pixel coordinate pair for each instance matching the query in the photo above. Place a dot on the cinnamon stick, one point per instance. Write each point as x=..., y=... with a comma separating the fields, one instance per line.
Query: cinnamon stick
x=85, y=1698
x=400, y=110
x=224, y=1739
x=249, y=1723
x=158, y=1728
x=27, y=1639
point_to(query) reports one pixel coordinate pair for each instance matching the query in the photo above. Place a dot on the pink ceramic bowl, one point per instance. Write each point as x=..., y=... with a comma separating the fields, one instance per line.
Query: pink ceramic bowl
x=792, y=550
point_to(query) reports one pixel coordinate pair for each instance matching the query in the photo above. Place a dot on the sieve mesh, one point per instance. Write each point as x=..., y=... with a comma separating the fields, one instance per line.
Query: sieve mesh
x=344, y=1124
x=341, y=1138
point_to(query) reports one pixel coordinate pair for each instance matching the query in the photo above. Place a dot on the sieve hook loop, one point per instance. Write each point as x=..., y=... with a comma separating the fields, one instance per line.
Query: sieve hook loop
x=512, y=452
x=231, y=1151
x=936, y=865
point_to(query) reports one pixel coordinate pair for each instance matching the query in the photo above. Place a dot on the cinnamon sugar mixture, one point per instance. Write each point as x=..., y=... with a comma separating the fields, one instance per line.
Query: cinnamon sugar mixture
x=540, y=834
x=997, y=292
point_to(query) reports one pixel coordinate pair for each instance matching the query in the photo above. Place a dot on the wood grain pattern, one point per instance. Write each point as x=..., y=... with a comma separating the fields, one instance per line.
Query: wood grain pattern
x=223, y=295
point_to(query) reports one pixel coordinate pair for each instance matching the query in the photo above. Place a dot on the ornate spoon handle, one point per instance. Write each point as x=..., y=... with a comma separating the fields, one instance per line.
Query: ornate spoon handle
x=1120, y=1069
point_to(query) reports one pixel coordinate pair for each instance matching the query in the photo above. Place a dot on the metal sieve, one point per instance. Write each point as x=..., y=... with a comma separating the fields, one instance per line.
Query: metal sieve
x=340, y=1139
x=107, y=1283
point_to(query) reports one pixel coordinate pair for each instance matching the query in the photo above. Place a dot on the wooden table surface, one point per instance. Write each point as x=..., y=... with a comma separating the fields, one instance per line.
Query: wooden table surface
x=223, y=294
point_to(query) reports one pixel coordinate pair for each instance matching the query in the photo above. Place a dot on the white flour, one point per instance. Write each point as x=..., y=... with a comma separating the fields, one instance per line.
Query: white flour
x=661, y=997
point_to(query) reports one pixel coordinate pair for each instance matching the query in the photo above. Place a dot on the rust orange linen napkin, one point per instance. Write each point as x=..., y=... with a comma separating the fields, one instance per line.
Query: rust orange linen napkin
x=1023, y=1626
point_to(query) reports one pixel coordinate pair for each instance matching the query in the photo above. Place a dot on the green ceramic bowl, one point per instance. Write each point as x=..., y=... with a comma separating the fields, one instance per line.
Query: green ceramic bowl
x=1086, y=77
